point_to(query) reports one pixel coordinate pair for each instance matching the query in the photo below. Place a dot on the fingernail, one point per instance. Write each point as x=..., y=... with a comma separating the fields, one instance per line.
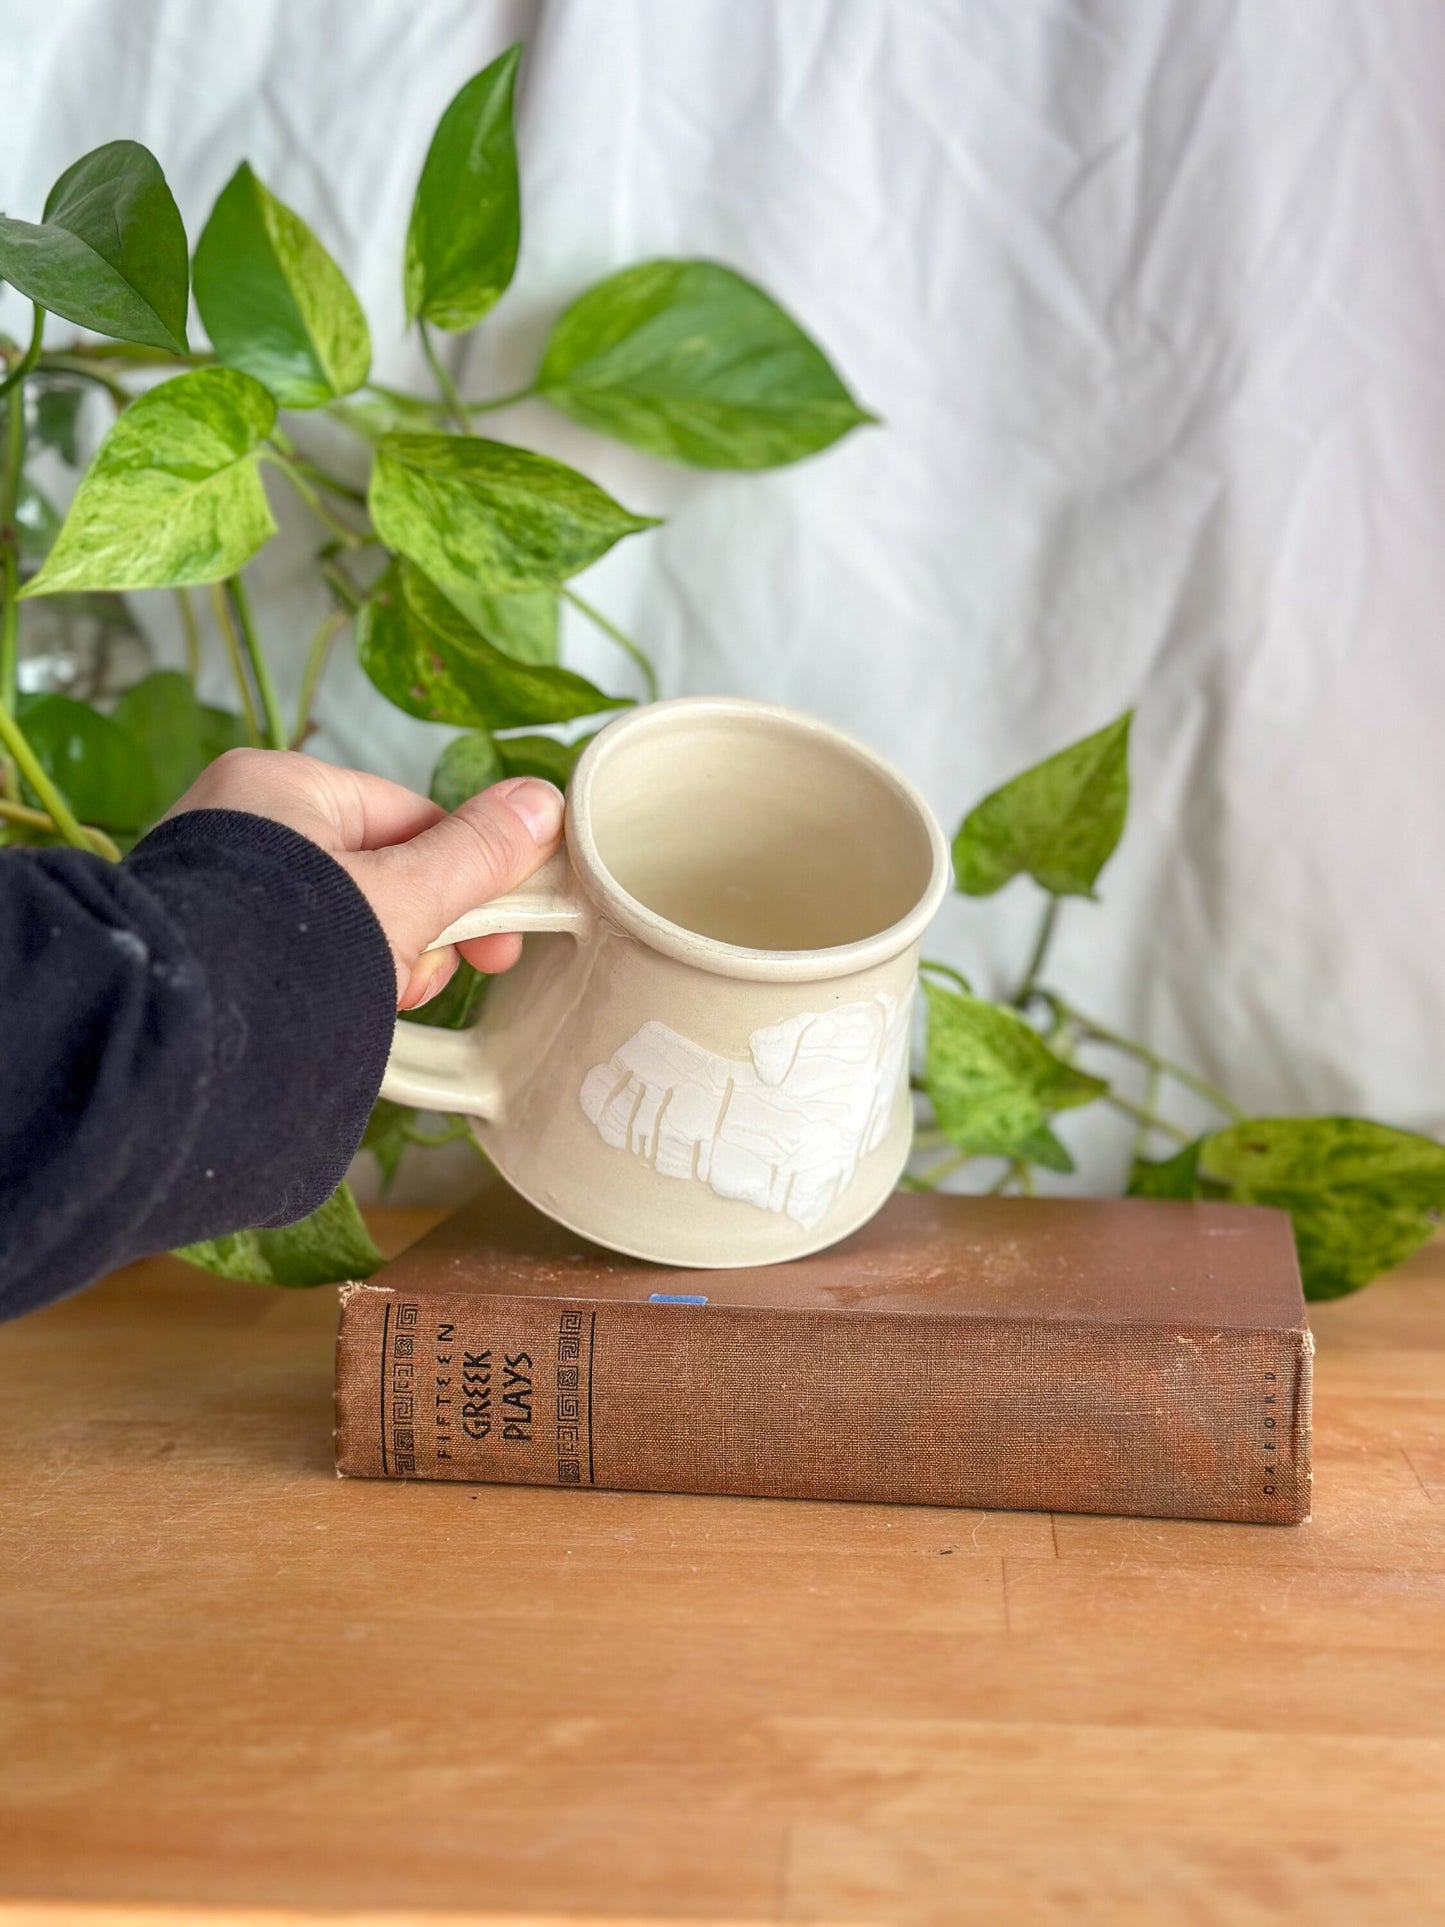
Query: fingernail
x=538, y=804
x=428, y=975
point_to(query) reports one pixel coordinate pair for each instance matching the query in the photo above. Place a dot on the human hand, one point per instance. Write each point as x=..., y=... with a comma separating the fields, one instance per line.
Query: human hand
x=418, y=868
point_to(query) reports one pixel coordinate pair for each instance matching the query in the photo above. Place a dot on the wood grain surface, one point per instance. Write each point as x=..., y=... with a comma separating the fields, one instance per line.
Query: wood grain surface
x=234, y=1689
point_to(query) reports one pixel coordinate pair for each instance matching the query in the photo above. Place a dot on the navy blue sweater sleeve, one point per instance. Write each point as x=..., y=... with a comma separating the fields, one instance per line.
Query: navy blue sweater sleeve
x=190, y=1043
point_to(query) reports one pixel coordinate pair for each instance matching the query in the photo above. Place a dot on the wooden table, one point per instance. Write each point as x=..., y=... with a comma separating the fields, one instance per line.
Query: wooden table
x=229, y=1680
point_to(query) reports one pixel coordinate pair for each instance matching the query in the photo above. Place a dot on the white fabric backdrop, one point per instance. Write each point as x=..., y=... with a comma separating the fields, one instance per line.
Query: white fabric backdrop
x=1151, y=294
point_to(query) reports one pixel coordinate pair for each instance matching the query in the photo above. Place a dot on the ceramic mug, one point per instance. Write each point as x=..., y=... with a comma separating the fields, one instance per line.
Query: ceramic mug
x=702, y=1056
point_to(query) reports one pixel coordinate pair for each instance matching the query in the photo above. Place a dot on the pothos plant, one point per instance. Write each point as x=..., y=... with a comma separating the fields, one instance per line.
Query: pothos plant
x=997, y=1075
x=449, y=564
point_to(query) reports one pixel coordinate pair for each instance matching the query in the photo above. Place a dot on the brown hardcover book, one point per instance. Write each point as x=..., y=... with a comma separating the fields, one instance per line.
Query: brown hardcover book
x=1124, y=1356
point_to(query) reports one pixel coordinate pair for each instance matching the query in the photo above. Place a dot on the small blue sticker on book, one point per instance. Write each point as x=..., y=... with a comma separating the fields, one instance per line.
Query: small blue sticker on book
x=675, y=1298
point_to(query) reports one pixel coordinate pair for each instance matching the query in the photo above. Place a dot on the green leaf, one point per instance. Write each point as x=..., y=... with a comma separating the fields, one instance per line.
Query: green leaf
x=1042, y=1147
x=52, y=415
x=1362, y=1195
x=110, y=252
x=479, y=759
x=38, y=521
x=57, y=417
x=541, y=756
x=1173, y=1177
x=274, y=302
x=54, y=425
x=330, y=1247
x=525, y=626
x=99, y=766
x=1059, y=821
x=178, y=736
x=173, y=495
x=691, y=362
x=454, y=1007
x=466, y=219
x=36, y=516
x=465, y=767
x=385, y=1136
x=220, y=730
x=427, y=659
x=993, y=1081
x=484, y=515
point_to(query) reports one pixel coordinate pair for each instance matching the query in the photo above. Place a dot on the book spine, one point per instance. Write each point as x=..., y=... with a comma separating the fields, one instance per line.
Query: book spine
x=1157, y=1421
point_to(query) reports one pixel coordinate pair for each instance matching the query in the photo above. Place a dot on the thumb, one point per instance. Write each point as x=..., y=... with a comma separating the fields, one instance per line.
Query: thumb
x=491, y=844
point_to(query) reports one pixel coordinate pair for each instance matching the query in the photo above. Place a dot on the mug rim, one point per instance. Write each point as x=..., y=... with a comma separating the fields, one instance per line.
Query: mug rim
x=711, y=953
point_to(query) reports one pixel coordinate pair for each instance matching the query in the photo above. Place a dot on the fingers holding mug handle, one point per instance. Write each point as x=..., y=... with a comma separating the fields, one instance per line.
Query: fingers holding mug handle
x=443, y=1070
x=548, y=900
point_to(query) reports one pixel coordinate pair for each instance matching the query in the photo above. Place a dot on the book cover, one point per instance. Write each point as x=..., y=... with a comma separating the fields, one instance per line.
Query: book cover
x=1118, y=1356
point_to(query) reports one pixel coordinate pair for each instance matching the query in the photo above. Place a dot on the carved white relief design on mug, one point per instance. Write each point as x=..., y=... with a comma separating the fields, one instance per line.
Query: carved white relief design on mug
x=783, y=1128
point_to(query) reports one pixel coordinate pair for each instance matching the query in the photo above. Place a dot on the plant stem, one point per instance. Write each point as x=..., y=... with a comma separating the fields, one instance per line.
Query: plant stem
x=1041, y=950
x=38, y=820
x=221, y=609
x=1018, y=1171
x=1058, y=1028
x=260, y=668
x=637, y=653
x=56, y=808
x=342, y=587
x=931, y=1179
x=456, y=407
x=139, y=357
x=1151, y=1099
x=349, y=537
x=10, y=566
x=327, y=630
x=9, y=641
x=75, y=365
x=493, y=402
x=1148, y=1119
x=1100, y=1034
x=487, y=405
x=947, y=970
x=192, y=633
x=399, y=395
x=32, y=354
x=315, y=473
x=313, y=470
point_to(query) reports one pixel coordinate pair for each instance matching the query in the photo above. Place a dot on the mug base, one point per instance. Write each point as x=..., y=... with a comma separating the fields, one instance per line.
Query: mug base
x=657, y=1255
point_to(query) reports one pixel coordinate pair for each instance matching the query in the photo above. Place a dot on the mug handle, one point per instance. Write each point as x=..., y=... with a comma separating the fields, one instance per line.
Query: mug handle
x=441, y=1070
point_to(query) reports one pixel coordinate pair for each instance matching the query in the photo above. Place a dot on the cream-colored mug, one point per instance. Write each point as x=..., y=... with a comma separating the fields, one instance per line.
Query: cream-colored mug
x=703, y=1057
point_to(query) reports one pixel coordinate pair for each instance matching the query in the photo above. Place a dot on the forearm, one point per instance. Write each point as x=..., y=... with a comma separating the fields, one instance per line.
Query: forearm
x=192, y=1043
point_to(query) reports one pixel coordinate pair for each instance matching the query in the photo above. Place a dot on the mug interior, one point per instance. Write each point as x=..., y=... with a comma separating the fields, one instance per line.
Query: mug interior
x=755, y=829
